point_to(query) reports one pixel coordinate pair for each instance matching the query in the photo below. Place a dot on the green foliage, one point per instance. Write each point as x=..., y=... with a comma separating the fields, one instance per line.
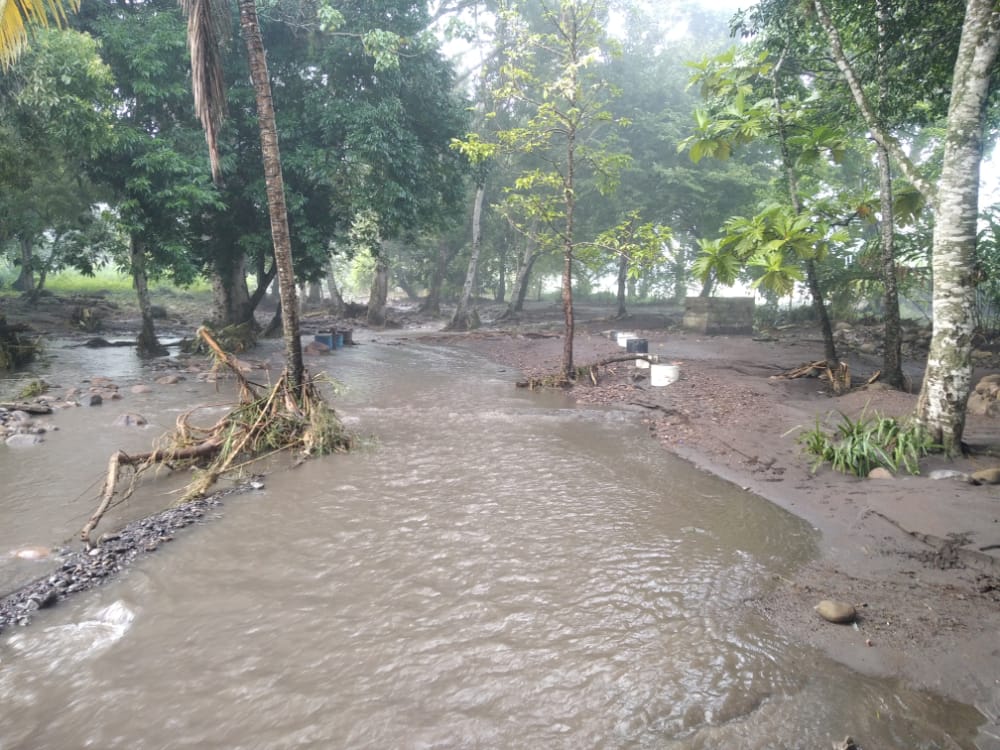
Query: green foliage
x=859, y=445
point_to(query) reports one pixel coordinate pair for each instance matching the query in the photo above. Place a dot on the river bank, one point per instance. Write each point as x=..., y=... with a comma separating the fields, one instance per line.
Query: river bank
x=919, y=558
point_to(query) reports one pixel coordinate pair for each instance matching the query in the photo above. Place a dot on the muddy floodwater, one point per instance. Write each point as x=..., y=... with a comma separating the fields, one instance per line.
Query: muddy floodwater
x=491, y=569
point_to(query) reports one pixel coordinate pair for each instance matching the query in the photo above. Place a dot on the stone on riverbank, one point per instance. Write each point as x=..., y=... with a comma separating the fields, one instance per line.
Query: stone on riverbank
x=841, y=613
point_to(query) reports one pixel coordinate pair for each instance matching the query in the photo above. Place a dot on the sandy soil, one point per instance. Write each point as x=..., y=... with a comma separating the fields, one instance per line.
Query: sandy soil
x=919, y=558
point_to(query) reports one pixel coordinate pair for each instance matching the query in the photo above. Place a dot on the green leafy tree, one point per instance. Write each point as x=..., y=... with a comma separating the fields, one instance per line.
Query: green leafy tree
x=753, y=97
x=947, y=380
x=55, y=118
x=553, y=74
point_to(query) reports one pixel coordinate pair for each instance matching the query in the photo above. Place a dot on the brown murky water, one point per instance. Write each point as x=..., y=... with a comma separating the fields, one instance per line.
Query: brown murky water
x=493, y=570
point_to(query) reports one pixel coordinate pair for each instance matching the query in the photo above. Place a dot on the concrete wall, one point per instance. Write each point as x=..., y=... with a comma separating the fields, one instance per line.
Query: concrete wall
x=719, y=315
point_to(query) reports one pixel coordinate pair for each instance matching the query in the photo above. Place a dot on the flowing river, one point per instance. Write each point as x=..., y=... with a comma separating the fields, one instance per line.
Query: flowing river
x=491, y=569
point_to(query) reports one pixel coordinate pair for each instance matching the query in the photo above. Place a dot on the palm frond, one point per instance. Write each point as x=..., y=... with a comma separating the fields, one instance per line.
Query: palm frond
x=18, y=17
x=208, y=24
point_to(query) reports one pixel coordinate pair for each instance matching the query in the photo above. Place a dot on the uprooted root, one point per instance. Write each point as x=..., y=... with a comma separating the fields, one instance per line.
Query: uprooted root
x=266, y=421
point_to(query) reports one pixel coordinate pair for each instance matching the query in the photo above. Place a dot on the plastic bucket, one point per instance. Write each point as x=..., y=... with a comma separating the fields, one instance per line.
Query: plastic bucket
x=326, y=339
x=660, y=375
x=338, y=340
x=624, y=336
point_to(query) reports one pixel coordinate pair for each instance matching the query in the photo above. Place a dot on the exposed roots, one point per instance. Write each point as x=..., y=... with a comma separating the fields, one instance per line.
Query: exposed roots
x=266, y=421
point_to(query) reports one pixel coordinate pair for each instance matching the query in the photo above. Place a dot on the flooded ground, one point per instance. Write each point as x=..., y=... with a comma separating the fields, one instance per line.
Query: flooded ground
x=491, y=569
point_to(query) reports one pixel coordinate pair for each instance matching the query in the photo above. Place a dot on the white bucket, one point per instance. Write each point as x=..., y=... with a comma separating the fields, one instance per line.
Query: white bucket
x=624, y=336
x=642, y=364
x=663, y=374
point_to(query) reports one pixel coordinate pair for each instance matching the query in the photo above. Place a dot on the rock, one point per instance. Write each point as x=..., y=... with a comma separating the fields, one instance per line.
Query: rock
x=131, y=420
x=880, y=472
x=986, y=476
x=838, y=612
x=32, y=553
x=141, y=388
x=981, y=355
x=169, y=379
x=847, y=743
x=993, y=378
x=869, y=347
x=315, y=347
x=23, y=440
x=978, y=404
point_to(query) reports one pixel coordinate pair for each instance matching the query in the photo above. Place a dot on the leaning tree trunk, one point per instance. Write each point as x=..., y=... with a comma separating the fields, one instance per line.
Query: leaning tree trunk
x=378, y=299
x=466, y=318
x=275, y=194
x=522, y=278
x=622, y=284
x=945, y=392
x=147, y=345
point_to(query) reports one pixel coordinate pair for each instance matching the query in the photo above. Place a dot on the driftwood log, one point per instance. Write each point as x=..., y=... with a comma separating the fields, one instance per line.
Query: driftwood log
x=27, y=408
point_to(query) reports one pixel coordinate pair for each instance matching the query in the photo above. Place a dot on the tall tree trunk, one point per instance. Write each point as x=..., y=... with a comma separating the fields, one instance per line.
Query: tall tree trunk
x=275, y=193
x=445, y=254
x=892, y=354
x=622, y=284
x=466, y=318
x=336, y=299
x=523, y=277
x=25, y=281
x=500, y=291
x=379, y=297
x=263, y=282
x=315, y=297
x=945, y=392
x=147, y=344
x=230, y=295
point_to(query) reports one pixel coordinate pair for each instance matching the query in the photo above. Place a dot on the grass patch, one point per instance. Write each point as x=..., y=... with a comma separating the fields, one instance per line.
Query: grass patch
x=859, y=445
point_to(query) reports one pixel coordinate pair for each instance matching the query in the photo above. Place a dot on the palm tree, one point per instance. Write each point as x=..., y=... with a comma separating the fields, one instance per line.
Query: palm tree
x=18, y=17
x=207, y=20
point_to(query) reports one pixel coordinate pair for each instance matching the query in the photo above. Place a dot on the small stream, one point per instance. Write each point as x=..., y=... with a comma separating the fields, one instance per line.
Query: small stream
x=491, y=569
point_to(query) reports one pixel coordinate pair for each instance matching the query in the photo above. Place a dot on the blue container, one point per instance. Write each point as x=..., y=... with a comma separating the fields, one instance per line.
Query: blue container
x=326, y=339
x=338, y=340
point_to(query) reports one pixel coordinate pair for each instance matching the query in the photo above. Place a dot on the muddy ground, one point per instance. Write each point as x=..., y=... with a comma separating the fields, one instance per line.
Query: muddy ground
x=918, y=557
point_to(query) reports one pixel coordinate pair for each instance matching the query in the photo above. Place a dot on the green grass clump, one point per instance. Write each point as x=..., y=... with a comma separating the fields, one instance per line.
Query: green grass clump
x=859, y=445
